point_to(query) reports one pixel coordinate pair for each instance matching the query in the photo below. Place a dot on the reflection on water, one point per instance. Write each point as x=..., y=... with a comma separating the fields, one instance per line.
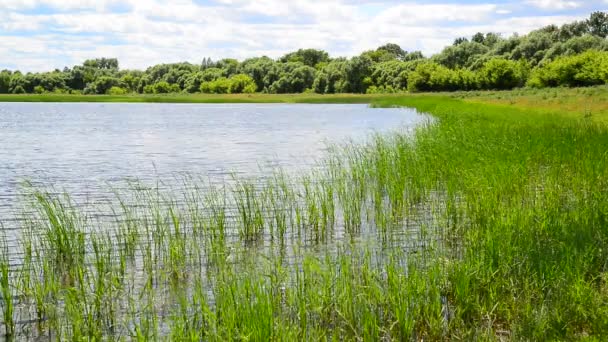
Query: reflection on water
x=176, y=229
x=80, y=147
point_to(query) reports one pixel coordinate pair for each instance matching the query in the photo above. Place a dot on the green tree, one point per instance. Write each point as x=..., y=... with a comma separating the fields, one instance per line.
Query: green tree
x=263, y=70
x=229, y=66
x=462, y=55
x=358, y=69
x=393, y=49
x=598, y=24
x=102, y=85
x=241, y=83
x=500, y=73
x=310, y=57
x=117, y=91
x=164, y=87
x=332, y=78
x=219, y=86
x=392, y=74
x=460, y=40
x=102, y=63
x=5, y=80
x=586, y=69
x=18, y=83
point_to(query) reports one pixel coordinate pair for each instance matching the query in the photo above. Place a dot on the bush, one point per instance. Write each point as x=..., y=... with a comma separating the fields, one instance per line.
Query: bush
x=149, y=89
x=502, y=74
x=242, y=83
x=101, y=85
x=117, y=91
x=219, y=86
x=161, y=87
x=586, y=69
x=18, y=90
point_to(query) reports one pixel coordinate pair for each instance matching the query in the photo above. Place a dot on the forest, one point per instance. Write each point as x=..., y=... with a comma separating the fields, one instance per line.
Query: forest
x=571, y=55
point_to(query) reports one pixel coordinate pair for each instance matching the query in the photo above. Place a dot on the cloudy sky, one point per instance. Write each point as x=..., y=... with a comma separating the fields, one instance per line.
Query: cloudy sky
x=38, y=35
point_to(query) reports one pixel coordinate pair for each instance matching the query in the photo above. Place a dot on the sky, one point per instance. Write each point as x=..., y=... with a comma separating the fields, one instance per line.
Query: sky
x=41, y=35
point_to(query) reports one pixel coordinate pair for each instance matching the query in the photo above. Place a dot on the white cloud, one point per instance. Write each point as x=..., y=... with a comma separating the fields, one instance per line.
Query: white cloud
x=99, y=5
x=556, y=4
x=141, y=33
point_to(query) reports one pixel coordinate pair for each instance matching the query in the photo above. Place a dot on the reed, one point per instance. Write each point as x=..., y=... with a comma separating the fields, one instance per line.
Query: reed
x=487, y=223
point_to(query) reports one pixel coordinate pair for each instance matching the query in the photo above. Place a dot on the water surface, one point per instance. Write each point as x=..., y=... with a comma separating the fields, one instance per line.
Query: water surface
x=81, y=147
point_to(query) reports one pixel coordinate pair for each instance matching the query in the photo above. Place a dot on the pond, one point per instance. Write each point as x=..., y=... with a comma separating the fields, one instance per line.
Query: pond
x=167, y=234
x=81, y=147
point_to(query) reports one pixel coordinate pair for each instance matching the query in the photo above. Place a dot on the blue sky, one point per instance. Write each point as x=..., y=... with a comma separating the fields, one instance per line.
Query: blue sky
x=37, y=35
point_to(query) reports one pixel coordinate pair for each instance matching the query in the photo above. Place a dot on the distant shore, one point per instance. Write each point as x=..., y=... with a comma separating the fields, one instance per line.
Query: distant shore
x=199, y=98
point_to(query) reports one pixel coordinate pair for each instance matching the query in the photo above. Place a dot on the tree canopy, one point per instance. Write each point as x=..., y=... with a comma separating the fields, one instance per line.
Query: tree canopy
x=574, y=54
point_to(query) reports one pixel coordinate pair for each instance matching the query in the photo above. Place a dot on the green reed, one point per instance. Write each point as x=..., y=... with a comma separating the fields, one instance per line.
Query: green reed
x=487, y=223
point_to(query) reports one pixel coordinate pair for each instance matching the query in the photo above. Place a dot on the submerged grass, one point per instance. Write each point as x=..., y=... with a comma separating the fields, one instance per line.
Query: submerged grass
x=488, y=223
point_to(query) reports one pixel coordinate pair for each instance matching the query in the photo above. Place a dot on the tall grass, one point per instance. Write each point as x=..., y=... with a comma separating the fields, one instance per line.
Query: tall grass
x=488, y=223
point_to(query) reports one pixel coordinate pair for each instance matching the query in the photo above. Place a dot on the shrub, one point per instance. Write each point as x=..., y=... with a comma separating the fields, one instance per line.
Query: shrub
x=586, y=69
x=161, y=87
x=242, y=83
x=500, y=73
x=117, y=91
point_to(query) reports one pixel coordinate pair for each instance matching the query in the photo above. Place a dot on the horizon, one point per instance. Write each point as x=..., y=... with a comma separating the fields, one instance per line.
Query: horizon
x=43, y=35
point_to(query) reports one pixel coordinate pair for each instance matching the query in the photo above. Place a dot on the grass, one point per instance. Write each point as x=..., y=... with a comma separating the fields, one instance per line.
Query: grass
x=590, y=103
x=489, y=223
x=196, y=98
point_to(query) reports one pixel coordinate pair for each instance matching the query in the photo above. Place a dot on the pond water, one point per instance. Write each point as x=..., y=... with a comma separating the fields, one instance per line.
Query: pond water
x=81, y=147
x=90, y=150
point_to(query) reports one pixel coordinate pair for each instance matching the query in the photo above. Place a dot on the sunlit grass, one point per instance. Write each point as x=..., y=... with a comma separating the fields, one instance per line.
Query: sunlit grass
x=488, y=222
x=198, y=98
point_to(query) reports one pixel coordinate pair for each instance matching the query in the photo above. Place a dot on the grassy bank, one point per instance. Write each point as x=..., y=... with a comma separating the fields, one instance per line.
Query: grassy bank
x=591, y=102
x=197, y=98
x=489, y=223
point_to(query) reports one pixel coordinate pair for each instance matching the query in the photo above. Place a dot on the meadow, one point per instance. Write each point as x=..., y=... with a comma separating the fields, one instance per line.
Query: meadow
x=490, y=222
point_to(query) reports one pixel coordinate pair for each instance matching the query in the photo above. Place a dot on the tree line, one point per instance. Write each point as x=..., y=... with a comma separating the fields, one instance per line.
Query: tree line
x=575, y=54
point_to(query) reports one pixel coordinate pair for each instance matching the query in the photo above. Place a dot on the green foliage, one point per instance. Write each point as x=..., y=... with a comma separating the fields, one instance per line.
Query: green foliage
x=309, y=57
x=393, y=74
x=237, y=84
x=460, y=40
x=431, y=76
x=263, y=70
x=164, y=87
x=117, y=91
x=462, y=55
x=228, y=66
x=102, y=63
x=219, y=86
x=586, y=69
x=295, y=81
x=102, y=85
x=503, y=74
x=483, y=61
x=241, y=83
x=598, y=24
x=18, y=84
x=5, y=80
x=332, y=78
x=575, y=46
x=488, y=223
x=131, y=80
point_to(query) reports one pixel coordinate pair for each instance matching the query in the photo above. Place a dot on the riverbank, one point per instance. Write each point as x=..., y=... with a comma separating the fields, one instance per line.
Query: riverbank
x=591, y=102
x=197, y=98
